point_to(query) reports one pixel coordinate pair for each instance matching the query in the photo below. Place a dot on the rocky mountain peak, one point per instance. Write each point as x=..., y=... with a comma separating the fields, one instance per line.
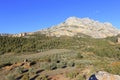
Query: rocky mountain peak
x=73, y=26
x=77, y=21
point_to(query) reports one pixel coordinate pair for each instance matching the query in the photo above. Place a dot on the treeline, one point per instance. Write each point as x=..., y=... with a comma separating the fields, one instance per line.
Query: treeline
x=38, y=43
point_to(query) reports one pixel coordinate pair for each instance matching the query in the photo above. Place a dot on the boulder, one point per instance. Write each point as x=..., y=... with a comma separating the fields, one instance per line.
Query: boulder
x=102, y=75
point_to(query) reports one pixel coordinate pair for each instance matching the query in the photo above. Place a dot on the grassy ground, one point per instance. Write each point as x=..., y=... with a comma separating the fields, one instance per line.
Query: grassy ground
x=55, y=62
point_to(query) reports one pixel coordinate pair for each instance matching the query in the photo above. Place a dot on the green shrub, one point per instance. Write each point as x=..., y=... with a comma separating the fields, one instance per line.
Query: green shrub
x=49, y=66
x=32, y=71
x=55, y=58
x=19, y=70
x=71, y=64
x=79, y=56
x=25, y=77
x=2, y=52
x=53, y=66
x=42, y=77
x=62, y=64
x=72, y=75
x=80, y=77
x=10, y=77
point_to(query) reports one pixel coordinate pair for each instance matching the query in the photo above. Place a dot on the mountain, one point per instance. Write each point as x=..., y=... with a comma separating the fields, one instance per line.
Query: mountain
x=75, y=26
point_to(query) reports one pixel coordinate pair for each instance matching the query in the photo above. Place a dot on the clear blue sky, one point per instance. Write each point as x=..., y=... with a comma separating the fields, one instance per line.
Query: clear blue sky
x=30, y=15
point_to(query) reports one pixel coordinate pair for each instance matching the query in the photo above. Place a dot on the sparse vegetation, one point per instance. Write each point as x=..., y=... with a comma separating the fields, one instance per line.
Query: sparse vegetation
x=80, y=52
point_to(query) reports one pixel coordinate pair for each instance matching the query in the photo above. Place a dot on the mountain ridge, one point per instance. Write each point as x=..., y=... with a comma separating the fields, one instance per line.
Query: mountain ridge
x=73, y=26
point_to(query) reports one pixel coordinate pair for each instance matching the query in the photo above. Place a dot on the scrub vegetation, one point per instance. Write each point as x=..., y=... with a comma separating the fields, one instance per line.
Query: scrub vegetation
x=38, y=57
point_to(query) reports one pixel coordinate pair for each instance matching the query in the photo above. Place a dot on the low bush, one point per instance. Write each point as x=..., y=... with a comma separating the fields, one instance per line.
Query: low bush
x=42, y=77
x=49, y=66
x=53, y=66
x=80, y=77
x=79, y=56
x=72, y=75
x=19, y=70
x=25, y=77
x=62, y=64
x=71, y=64
x=11, y=77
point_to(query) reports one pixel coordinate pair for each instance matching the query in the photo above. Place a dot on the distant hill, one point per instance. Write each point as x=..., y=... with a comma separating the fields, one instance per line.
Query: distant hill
x=75, y=26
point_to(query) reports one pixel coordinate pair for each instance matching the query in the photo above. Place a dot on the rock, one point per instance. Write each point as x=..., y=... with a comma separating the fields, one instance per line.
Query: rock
x=93, y=77
x=118, y=40
x=102, y=75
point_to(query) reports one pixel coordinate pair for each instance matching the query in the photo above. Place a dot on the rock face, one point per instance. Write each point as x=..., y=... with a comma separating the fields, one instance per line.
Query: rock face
x=101, y=75
x=74, y=26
